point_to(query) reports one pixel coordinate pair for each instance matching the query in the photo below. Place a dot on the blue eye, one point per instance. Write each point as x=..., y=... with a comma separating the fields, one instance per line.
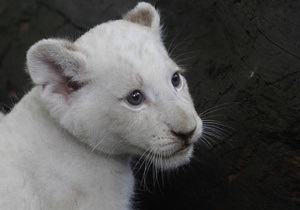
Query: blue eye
x=135, y=98
x=176, y=80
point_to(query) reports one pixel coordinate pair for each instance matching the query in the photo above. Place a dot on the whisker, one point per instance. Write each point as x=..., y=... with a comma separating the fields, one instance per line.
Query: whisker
x=150, y=161
x=144, y=176
x=159, y=159
x=177, y=60
x=204, y=114
x=185, y=60
x=197, y=159
x=189, y=165
x=155, y=169
x=93, y=149
x=212, y=134
x=208, y=121
x=205, y=141
x=217, y=127
x=215, y=109
x=177, y=35
x=163, y=161
x=213, y=116
x=144, y=163
x=180, y=43
x=141, y=157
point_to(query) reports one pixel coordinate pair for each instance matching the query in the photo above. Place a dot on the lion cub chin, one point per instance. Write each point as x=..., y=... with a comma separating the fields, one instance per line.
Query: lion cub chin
x=111, y=94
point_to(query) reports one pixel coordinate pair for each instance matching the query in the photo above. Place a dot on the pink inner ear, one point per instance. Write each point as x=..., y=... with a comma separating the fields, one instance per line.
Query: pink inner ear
x=72, y=85
x=56, y=65
x=65, y=86
x=60, y=83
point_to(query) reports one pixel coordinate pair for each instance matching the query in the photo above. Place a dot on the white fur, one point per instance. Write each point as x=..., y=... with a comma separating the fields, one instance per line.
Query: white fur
x=68, y=143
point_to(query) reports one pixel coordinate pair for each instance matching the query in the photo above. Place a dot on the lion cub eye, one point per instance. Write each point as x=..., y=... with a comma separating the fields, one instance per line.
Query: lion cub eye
x=135, y=98
x=176, y=81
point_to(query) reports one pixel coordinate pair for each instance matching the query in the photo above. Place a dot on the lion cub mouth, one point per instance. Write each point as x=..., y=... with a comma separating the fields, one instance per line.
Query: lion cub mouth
x=180, y=152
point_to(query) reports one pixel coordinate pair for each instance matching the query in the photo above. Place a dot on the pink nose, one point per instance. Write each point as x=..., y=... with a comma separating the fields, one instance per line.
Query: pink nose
x=184, y=136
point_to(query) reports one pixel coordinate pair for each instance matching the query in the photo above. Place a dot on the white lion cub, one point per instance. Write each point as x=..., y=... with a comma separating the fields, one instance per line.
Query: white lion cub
x=111, y=94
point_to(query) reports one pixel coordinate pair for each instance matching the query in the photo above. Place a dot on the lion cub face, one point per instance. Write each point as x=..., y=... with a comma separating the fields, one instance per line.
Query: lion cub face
x=117, y=90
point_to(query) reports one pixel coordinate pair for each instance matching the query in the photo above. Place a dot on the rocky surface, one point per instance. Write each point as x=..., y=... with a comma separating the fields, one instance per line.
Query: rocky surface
x=243, y=61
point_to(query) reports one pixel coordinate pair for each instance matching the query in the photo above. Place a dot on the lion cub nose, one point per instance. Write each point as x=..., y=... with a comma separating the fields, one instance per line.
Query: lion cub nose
x=184, y=136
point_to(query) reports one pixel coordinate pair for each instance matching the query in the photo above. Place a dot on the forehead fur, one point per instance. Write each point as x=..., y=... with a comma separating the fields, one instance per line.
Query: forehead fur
x=123, y=47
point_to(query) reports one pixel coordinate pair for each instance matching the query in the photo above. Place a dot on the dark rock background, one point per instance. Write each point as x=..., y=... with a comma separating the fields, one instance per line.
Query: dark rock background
x=243, y=61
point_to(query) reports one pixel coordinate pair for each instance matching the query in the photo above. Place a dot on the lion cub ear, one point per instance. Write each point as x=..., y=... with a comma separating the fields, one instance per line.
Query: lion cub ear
x=56, y=65
x=145, y=15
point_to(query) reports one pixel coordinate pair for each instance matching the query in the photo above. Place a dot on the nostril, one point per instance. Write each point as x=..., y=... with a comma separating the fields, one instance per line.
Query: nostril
x=184, y=135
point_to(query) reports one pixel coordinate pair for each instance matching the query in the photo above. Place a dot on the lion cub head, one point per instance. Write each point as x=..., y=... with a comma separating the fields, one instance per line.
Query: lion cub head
x=117, y=90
